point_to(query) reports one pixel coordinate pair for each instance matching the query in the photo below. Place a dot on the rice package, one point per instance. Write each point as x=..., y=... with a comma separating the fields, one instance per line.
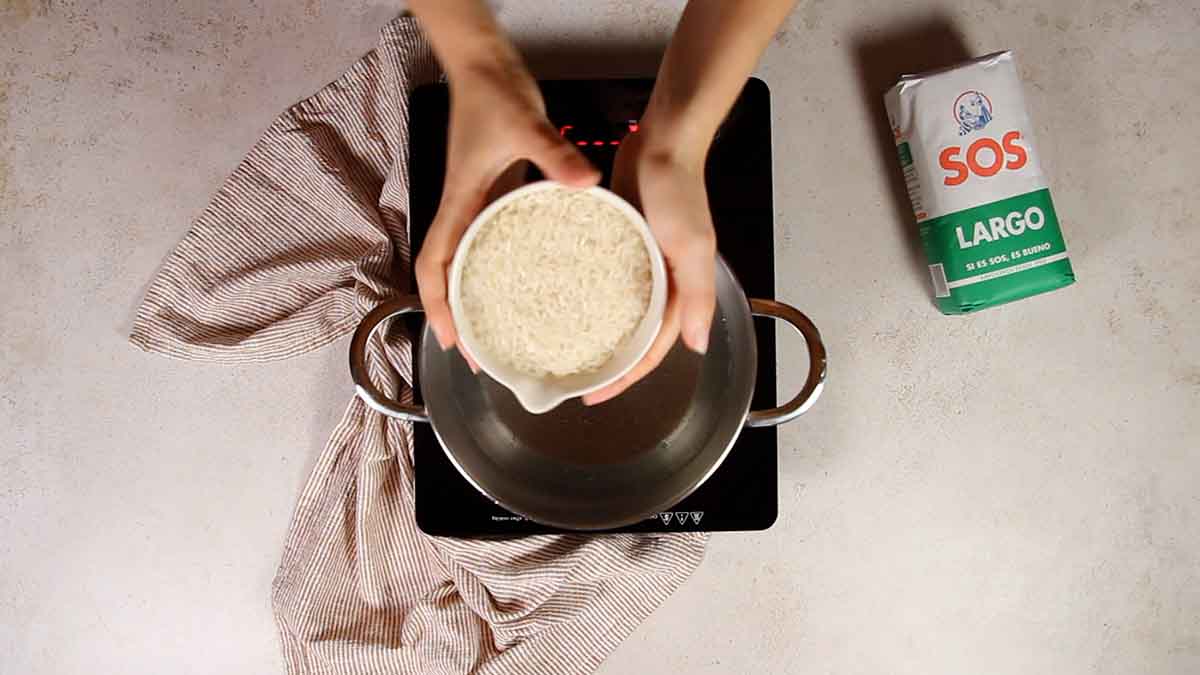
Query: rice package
x=986, y=220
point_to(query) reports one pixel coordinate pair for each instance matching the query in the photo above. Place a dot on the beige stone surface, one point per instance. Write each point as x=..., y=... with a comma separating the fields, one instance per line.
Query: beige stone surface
x=1009, y=493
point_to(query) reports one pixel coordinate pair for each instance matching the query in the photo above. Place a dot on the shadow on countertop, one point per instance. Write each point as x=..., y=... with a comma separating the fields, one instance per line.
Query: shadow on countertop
x=880, y=58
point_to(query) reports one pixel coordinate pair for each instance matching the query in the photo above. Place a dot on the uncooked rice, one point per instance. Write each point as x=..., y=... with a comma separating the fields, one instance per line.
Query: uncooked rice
x=554, y=282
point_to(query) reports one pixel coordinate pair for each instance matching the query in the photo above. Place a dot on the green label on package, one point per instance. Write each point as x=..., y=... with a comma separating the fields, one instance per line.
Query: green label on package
x=996, y=253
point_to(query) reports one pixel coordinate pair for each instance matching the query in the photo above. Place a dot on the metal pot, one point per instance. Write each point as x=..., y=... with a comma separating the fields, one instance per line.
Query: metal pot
x=601, y=467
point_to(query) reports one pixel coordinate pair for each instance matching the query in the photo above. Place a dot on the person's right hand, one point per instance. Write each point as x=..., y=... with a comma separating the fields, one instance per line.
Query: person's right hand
x=497, y=117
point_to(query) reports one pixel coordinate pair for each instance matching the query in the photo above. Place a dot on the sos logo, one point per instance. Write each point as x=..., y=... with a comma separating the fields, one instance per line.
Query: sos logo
x=985, y=157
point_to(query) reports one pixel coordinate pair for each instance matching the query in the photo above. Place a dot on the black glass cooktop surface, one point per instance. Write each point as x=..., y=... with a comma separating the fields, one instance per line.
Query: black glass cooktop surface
x=595, y=115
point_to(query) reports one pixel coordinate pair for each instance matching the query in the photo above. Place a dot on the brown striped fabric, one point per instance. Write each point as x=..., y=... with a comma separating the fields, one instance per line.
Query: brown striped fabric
x=308, y=234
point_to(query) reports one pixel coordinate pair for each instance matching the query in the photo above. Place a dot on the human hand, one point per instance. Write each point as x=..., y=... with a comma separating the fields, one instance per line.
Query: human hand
x=497, y=117
x=668, y=187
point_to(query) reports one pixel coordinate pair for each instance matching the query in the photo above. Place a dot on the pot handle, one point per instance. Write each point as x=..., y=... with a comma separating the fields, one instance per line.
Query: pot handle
x=816, y=364
x=363, y=386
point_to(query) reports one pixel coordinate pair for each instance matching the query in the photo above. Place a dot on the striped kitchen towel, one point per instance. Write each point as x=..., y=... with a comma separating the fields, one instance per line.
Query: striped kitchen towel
x=307, y=235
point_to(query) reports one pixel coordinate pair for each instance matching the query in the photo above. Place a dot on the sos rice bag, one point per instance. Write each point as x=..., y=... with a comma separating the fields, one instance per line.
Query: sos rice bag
x=987, y=223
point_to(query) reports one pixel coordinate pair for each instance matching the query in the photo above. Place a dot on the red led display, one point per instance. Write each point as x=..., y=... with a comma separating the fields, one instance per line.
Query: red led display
x=565, y=131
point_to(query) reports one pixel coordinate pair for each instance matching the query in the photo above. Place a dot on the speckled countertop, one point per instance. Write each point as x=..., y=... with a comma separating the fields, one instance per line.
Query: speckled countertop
x=1009, y=493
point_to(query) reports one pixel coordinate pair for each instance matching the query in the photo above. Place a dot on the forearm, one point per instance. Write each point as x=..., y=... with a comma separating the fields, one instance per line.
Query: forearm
x=464, y=35
x=716, y=46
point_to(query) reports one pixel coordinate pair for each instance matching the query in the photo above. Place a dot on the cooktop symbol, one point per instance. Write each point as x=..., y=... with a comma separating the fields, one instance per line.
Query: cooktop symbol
x=696, y=516
x=666, y=517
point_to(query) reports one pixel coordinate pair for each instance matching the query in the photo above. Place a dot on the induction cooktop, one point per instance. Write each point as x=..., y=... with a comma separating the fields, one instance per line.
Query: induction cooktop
x=596, y=115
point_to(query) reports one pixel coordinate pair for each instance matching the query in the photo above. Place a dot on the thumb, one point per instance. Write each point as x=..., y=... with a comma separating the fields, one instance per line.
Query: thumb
x=560, y=161
x=695, y=288
x=696, y=308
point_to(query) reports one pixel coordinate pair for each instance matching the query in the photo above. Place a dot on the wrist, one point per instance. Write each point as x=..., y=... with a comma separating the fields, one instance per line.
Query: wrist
x=465, y=36
x=482, y=73
x=669, y=132
x=482, y=55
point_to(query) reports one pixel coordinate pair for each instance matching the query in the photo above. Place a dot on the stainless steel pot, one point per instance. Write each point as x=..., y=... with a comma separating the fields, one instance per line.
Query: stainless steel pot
x=601, y=467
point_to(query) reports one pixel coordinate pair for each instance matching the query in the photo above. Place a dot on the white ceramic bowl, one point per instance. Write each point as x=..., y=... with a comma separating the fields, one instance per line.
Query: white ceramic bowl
x=542, y=394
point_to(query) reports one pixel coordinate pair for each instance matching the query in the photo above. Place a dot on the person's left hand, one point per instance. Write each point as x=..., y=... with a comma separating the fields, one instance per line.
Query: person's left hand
x=497, y=119
x=668, y=187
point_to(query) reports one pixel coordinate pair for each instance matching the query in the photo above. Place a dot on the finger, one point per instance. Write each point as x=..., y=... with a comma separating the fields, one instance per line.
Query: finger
x=560, y=161
x=662, y=345
x=458, y=207
x=431, y=286
x=462, y=349
x=695, y=285
x=684, y=229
